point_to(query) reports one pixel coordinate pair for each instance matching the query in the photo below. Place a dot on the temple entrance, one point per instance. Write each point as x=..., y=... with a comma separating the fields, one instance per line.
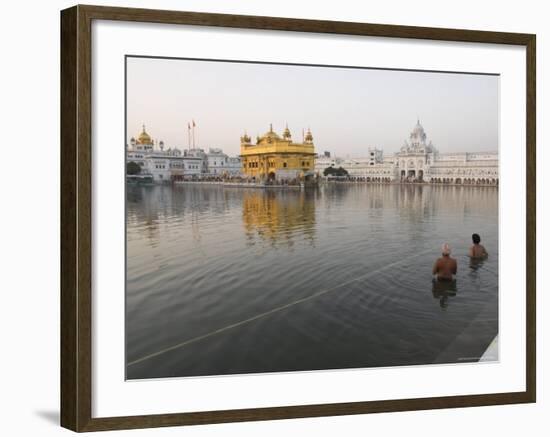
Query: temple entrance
x=420, y=175
x=411, y=174
x=271, y=176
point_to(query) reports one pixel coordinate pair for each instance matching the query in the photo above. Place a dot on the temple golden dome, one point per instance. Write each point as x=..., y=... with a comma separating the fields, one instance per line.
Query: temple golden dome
x=144, y=137
x=271, y=133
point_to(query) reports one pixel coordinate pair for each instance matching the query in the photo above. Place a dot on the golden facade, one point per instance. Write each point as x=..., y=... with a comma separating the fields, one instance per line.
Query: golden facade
x=277, y=157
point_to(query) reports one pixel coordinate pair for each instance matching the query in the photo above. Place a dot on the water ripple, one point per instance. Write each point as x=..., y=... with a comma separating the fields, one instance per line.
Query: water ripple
x=203, y=257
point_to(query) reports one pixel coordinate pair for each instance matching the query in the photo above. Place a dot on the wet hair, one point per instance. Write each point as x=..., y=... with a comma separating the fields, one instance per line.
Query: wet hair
x=476, y=238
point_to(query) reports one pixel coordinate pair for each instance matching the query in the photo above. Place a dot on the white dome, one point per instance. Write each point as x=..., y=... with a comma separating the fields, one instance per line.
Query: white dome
x=418, y=134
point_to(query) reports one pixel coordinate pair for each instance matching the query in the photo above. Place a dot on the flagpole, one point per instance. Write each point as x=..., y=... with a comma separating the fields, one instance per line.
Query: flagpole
x=193, y=134
x=188, y=136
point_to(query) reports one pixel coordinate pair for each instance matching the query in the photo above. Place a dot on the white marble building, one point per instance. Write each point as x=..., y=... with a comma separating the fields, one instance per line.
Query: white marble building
x=220, y=164
x=165, y=168
x=322, y=162
x=166, y=165
x=419, y=161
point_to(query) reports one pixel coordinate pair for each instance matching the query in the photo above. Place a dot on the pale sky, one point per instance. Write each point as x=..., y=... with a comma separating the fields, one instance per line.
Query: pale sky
x=348, y=110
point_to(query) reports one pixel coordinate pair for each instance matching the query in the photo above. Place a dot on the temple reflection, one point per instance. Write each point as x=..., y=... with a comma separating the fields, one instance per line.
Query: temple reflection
x=279, y=217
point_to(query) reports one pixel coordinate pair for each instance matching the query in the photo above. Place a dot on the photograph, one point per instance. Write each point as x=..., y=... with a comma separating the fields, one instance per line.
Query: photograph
x=301, y=218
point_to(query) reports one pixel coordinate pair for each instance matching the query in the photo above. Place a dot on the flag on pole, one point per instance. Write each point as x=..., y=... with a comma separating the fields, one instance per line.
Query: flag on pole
x=194, y=123
x=188, y=126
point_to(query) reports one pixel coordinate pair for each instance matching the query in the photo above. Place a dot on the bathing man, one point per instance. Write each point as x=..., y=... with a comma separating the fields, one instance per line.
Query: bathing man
x=445, y=267
x=477, y=250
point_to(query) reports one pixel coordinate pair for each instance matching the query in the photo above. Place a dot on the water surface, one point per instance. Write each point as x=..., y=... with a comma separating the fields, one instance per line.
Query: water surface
x=233, y=280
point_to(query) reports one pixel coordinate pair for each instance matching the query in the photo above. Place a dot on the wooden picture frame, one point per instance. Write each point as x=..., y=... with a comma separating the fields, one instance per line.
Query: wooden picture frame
x=76, y=217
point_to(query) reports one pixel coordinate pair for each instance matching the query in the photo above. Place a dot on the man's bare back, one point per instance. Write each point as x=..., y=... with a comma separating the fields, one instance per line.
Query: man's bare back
x=478, y=251
x=445, y=267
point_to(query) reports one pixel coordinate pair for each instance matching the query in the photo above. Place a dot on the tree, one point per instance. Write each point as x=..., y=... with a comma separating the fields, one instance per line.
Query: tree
x=331, y=171
x=133, y=168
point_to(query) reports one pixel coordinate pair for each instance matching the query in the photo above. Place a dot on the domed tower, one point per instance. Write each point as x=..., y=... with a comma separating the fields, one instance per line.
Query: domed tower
x=418, y=141
x=144, y=138
x=418, y=136
x=144, y=141
x=270, y=136
x=309, y=137
x=286, y=134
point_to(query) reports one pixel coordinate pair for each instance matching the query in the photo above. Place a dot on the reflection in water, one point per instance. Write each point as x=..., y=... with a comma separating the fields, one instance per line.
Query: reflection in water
x=277, y=215
x=201, y=258
x=442, y=290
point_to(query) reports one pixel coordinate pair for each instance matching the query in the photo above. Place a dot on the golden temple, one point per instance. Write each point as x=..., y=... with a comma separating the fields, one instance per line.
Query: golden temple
x=275, y=157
